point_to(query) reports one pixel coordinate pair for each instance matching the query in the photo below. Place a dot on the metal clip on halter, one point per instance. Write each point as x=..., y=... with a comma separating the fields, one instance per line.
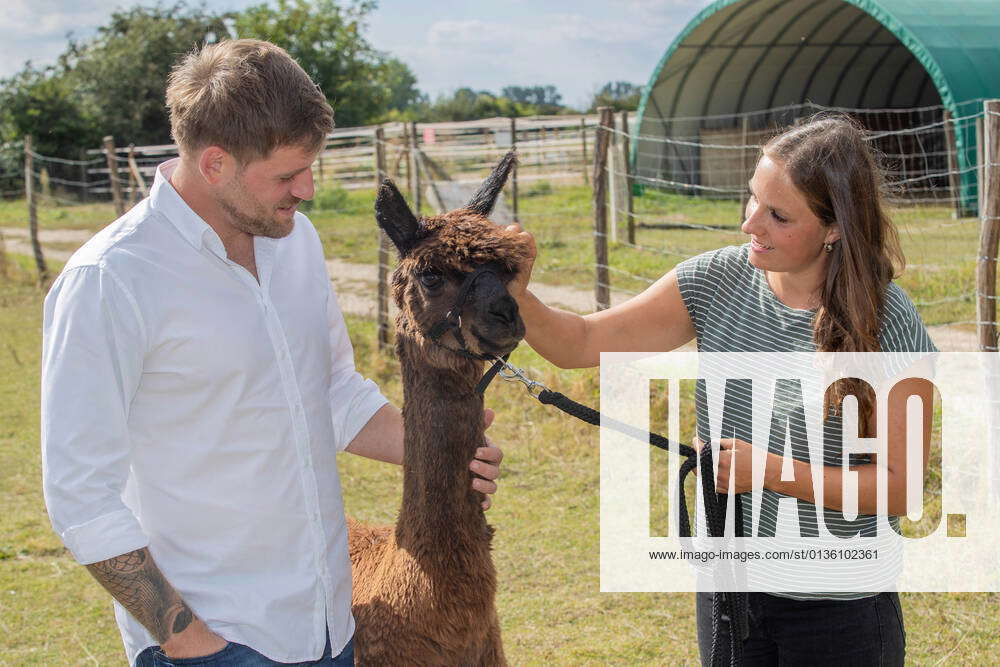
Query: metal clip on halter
x=514, y=374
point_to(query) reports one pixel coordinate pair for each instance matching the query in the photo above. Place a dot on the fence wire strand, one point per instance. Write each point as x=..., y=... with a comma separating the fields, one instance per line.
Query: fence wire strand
x=931, y=189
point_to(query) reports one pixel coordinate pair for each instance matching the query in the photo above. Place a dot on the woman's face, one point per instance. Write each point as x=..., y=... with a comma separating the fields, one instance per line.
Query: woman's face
x=785, y=235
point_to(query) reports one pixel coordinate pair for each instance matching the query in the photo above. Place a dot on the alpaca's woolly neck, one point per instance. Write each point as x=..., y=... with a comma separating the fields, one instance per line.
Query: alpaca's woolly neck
x=441, y=517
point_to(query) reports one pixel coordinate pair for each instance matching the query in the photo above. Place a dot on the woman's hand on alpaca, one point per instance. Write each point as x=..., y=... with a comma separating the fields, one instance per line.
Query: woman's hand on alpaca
x=486, y=464
x=518, y=287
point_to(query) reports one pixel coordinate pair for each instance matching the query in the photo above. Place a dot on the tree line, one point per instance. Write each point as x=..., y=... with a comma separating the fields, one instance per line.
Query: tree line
x=113, y=83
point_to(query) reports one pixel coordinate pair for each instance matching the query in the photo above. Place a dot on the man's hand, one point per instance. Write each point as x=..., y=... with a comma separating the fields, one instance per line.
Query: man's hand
x=486, y=464
x=195, y=642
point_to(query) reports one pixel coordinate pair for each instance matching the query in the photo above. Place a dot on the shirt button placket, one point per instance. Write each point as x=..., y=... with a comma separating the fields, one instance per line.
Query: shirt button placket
x=301, y=431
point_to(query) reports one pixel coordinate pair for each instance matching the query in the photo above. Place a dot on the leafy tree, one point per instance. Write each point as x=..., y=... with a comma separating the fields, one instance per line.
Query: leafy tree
x=619, y=95
x=327, y=40
x=468, y=104
x=400, y=84
x=114, y=83
x=545, y=99
x=121, y=74
x=42, y=103
x=464, y=104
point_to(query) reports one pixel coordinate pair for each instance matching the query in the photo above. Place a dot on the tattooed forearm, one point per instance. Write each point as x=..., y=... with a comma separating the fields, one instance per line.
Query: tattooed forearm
x=137, y=583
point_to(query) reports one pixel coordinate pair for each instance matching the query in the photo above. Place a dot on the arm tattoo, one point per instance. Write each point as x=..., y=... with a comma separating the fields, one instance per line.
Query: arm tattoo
x=137, y=583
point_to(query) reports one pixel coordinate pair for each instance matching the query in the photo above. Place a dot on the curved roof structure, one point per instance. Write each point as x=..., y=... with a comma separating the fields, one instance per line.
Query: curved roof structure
x=739, y=56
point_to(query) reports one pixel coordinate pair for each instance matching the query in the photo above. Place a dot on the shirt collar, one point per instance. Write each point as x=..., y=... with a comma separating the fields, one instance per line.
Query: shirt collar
x=165, y=199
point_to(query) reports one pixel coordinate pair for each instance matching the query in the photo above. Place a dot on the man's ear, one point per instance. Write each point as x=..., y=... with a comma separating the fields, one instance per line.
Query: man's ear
x=216, y=165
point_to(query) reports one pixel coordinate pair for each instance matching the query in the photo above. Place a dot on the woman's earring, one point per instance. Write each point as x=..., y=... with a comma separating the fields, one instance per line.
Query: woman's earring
x=828, y=247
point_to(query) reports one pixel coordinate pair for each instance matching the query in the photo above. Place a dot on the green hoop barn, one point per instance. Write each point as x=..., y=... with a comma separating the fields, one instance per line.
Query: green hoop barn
x=747, y=66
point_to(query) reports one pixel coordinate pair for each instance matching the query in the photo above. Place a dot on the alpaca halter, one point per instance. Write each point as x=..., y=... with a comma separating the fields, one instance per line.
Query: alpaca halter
x=452, y=321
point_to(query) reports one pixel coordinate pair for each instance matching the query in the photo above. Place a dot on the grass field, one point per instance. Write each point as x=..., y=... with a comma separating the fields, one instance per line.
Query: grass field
x=546, y=514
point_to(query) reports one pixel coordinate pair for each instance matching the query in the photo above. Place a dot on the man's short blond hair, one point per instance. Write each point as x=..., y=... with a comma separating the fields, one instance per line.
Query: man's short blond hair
x=247, y=97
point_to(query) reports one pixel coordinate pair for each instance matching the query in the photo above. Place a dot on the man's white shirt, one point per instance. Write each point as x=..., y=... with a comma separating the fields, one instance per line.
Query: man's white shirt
x=188, y=408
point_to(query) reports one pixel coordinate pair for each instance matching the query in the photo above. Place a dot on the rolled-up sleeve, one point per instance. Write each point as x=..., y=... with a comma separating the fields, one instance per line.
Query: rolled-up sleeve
x=92, y=350
x=353, y=399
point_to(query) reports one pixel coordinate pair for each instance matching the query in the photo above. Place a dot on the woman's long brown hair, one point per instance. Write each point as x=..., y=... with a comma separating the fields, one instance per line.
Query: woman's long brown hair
x=833, y=166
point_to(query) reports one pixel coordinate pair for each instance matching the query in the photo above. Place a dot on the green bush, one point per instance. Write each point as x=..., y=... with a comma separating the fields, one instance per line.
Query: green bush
x=333, y=198
x=538, y=189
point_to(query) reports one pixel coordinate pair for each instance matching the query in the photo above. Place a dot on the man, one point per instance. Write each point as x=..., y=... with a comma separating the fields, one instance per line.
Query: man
x=198, y=380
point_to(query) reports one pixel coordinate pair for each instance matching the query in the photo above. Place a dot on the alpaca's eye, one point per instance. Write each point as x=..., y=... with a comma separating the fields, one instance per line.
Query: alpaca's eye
x=430, y=279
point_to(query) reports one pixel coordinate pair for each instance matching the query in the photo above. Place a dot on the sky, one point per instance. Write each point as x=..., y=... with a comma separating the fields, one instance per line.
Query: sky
x=576, y=46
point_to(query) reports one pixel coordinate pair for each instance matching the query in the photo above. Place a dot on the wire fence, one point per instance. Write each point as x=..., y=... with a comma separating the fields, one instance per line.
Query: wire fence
x=669, y=196
x=56, y=180
x=922, y=147
x=554, y=149
x=693, y=193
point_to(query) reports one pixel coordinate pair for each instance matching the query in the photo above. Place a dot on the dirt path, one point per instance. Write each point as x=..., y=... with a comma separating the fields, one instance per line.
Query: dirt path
x=17, y=240
x=356, y=286
x=355, y=283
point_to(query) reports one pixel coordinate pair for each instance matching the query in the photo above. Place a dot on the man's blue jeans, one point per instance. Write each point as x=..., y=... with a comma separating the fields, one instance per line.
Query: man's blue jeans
x=238, y=655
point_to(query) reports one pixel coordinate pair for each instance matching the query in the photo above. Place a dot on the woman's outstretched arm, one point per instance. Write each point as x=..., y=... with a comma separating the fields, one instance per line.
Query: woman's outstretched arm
x=654, y=321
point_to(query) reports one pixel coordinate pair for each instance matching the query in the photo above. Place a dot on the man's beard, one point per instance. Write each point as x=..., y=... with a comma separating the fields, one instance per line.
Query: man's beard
x=253, y=217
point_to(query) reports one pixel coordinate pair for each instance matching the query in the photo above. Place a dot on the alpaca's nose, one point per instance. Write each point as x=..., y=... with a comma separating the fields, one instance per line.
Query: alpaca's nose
x=504, y=309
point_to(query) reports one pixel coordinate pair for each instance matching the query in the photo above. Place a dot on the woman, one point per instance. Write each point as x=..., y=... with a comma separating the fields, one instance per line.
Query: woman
x=815, y=275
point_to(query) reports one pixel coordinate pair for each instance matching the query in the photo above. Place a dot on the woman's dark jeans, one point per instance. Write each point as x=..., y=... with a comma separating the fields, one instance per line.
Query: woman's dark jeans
x=783, y=631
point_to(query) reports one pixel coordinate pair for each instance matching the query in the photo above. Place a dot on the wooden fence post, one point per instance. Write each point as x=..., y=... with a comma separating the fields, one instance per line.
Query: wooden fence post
x=540, y=154
x=400, y=154
x=744, y=176
x=954, y=178
x=513, y=171
x=981, y=162
x=409, y=159
x=136, y=174
x=583, y=148
x=383, y=248
x=986, y=269
x=132, y=188
x=3, y=257
x=602, y=286
x=45, y=183
x=29, y=193
x=612, y=171
x=627, y=164
x=116, y=186
x=83, y=176
x=415, y=161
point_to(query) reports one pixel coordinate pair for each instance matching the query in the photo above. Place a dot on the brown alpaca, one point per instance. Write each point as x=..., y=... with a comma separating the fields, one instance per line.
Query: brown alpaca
x=424, y=591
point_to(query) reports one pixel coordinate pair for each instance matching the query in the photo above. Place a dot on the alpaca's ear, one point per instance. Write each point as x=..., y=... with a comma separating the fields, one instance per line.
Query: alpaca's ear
x=483, y=201
x=395, y=218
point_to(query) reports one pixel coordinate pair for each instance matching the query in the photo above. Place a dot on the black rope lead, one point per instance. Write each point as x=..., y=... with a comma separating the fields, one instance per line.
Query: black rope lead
x=727, y=606
x=491, y=373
